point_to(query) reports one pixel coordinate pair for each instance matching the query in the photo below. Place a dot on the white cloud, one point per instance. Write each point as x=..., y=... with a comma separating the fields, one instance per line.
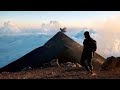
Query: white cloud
x=109, y=37
x=10, y=28
x=107, y=33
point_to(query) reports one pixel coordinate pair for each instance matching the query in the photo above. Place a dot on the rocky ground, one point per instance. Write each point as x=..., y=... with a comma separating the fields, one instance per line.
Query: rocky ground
x=60, y=73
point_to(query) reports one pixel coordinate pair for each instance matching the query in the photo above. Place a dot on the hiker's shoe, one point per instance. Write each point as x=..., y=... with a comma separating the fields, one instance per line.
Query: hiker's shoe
x=92, y=73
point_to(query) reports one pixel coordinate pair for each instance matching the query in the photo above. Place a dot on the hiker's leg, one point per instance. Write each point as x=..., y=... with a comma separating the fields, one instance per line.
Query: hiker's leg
x=84, y=64
x=90, y=64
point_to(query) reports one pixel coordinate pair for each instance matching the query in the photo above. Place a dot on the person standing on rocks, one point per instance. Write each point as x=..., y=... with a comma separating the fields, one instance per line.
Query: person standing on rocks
x=89, y=48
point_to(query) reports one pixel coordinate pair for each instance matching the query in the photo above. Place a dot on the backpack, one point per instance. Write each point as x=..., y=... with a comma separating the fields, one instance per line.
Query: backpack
x=93, y=45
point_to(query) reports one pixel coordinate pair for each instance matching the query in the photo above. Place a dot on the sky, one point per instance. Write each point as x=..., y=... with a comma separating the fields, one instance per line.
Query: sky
x=68, y=18
x=106, y=24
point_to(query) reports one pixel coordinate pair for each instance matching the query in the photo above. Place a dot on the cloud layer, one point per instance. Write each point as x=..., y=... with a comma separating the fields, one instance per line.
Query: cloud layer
x=10, y=28
x=106, y=33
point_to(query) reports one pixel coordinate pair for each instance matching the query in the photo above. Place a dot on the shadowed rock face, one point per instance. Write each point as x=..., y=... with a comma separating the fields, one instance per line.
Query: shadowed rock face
x=111, y=63
x=60, y=47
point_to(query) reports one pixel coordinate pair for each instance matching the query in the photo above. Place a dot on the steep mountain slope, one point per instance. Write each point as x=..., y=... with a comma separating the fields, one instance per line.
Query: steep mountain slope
x=60, y=47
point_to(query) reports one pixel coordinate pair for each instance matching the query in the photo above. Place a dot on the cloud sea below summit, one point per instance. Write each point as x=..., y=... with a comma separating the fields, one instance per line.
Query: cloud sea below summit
x=16, y=42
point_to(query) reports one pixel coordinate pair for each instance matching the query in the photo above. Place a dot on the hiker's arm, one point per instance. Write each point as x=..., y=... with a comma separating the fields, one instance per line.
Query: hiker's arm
x=93, y=53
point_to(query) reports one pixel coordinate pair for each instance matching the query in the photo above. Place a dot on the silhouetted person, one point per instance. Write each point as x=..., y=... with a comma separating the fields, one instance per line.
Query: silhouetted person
x=89, y=47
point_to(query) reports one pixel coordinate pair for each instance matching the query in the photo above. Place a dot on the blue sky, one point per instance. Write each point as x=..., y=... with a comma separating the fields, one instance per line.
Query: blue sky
x=65, y=17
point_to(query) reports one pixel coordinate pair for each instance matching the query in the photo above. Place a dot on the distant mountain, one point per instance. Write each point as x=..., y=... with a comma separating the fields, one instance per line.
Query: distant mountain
x=60, y=47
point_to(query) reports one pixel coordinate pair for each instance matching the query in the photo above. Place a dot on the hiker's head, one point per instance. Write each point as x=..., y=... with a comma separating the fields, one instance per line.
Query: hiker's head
x=86, y=34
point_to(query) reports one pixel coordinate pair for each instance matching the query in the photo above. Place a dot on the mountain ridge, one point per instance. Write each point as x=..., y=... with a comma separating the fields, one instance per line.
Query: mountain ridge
x=60, y=47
